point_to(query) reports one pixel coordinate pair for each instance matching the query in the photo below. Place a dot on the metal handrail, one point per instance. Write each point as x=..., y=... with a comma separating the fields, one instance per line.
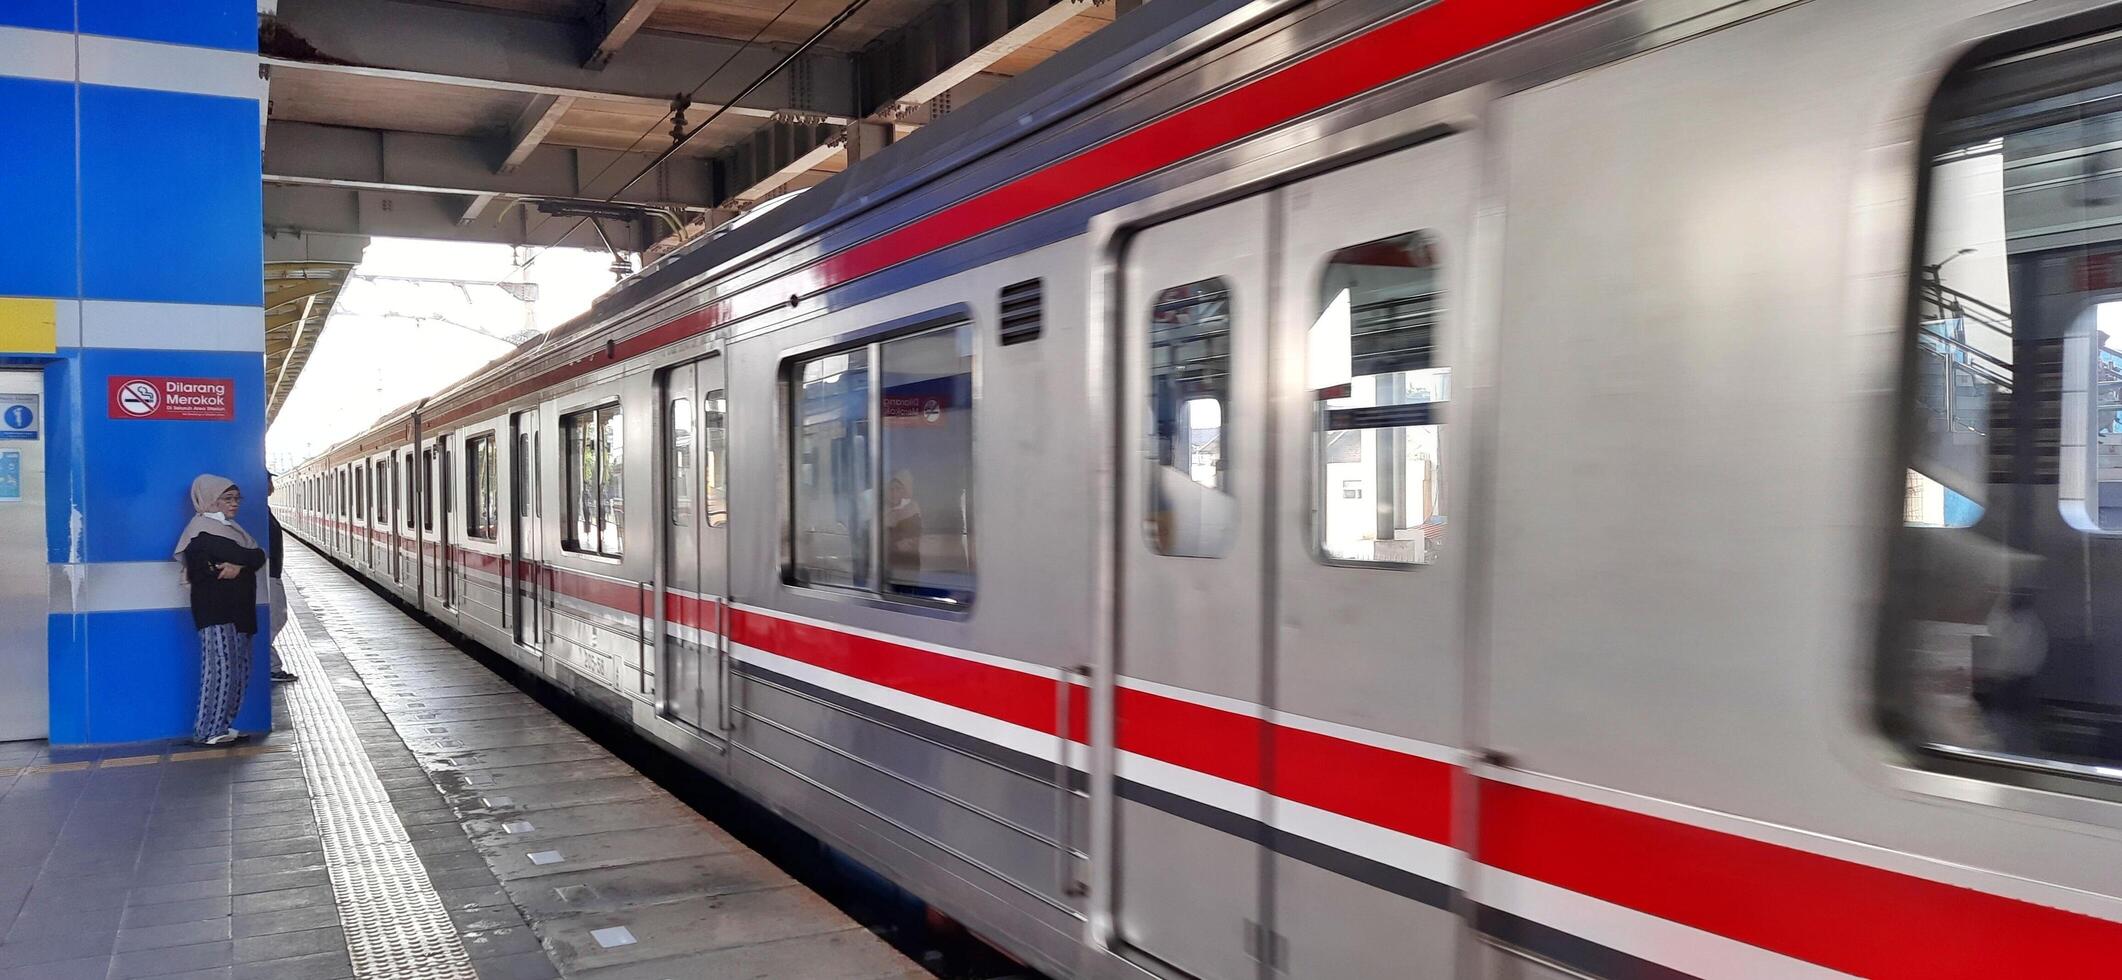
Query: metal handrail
x=2001, y=378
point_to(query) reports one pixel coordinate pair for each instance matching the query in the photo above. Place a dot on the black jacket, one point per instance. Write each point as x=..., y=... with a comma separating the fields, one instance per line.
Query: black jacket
x=217, y=601
x=273, y=547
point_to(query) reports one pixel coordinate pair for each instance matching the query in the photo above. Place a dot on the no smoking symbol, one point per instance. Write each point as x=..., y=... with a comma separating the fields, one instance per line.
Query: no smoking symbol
x=138, y=398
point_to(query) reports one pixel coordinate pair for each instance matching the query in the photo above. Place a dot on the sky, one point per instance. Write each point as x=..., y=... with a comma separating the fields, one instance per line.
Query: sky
x=390, y=341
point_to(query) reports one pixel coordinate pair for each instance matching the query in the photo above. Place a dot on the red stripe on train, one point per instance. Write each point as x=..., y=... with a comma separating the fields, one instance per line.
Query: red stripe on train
x=1424, y=39
x=1406, y=793
x=1021, y=699
x=1843, y=915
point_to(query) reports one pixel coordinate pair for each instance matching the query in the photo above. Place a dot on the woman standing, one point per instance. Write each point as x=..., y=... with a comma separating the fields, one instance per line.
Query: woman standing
x=221, y=563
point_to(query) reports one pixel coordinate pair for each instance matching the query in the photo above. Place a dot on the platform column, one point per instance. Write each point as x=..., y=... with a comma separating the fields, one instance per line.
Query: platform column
x=130, y=281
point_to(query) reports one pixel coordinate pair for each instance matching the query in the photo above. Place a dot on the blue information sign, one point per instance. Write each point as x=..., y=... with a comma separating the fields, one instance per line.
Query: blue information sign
x=18, y=416
x=10, y=474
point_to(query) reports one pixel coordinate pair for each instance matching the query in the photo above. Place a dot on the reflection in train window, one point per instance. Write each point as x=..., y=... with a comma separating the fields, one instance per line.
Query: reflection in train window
x=1191, y=510
x=714, y=457
x=910, y=398
x=832, y=470
x=593, y=456
x=480, y=470
x=680, y=492
x=2007, y=575
x=1379, y=389
x=927, y=400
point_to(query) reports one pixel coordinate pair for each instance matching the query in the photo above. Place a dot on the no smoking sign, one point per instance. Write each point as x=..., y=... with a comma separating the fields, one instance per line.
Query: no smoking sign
x=138, y=399
x=172, y=399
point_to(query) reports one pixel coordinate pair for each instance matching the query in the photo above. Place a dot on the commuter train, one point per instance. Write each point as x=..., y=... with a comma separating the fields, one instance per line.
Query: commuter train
x=1346, y=490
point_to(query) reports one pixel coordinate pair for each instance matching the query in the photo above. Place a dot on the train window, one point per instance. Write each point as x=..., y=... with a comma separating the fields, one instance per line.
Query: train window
x=481, y=467
x=1191, y=510
x=595, y=452
x=680, y=492
x=2005, y=599
x=1378, y=393
x=714, y=458
x=412, y=495
x=927, y=400
x=896, y=416
x=832, y=470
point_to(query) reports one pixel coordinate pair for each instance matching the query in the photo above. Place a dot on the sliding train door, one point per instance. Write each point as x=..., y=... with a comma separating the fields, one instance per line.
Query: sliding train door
x=1192, y=561
x=1368, y=580
x=1287, y=693
x=527, y=533
x=696, y=574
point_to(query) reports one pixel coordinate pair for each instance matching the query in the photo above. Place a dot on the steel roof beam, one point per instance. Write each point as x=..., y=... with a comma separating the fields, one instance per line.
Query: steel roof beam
x=499, y=51
x=952, y=42
x=530, y=128
x=314, y=210
x=612, y=24
x=900, y=78
x=370, y=159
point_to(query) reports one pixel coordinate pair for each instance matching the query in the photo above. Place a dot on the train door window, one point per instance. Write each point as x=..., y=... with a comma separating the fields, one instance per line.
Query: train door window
x=1191, y=510
x=927, y=397
x=679, y=495
x=832, y=470
x=380, y=492
x=481, y=496
x=427, y=499
x=2005, y=601
x=714, y=457
x=595, y=460
x=1379, y=395
x=522, y=471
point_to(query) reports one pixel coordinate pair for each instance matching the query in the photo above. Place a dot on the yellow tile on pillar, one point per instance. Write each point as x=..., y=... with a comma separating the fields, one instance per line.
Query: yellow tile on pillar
x=29, y=326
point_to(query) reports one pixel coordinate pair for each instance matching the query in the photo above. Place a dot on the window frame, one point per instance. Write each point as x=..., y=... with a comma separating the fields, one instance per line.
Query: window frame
x=1439, y=410
x=2024, y=783
x=872, y=339
x=476, y=518
x=598, y=410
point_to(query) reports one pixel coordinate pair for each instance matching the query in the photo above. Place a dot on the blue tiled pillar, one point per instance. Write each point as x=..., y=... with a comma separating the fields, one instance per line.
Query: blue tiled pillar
x=129, y=141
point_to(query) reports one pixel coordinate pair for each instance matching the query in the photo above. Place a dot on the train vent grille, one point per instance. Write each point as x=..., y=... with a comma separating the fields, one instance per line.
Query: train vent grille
x=1022, y=306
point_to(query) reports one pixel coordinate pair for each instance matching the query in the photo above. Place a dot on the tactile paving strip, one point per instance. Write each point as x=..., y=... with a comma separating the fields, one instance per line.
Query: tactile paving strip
x=395, y=924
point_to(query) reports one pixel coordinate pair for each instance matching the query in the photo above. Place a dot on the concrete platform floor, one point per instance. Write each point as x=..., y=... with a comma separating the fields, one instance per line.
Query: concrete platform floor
x=412, y=815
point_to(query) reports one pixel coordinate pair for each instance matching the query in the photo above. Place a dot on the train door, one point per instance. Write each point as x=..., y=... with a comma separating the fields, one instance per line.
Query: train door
x=369, y=509
x=1367, y=583
x=1192, y=564
x=695, y=456
x=396, y=509
x=445, y=532
x=409, y=526
x=527, y=536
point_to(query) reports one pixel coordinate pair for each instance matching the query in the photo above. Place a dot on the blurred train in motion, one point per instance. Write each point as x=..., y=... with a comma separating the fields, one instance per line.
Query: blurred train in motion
x=1346, y=490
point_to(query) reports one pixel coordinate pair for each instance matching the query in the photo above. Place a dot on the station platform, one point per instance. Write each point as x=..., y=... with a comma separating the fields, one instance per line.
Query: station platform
x=411, y=815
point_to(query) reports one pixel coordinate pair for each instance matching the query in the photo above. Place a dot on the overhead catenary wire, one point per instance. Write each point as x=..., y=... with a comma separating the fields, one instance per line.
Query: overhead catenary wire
x=854, y=7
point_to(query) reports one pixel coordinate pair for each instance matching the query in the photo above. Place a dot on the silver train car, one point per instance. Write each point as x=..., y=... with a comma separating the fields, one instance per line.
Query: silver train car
x=1347, y=490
